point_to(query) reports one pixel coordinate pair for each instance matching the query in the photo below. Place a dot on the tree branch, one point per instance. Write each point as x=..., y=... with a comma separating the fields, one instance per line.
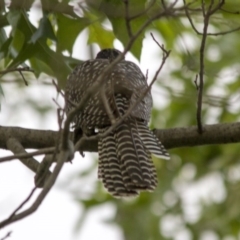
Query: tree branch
x=171, y=138
x=224, y=133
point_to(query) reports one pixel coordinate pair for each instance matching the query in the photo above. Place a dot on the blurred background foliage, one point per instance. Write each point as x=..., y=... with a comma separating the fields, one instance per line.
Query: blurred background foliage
x=199, y=188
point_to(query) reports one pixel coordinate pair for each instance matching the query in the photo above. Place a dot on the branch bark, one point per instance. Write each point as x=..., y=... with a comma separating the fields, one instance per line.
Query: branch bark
x=224, y=133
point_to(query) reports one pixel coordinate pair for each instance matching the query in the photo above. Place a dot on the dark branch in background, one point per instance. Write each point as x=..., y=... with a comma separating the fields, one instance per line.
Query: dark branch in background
x=62, y=158
x=28, y=154
x=22, y=204
x=209, y=34
x=206, y=17
x=51, y=180
x=201, y=71
x=16, y=147
x=20, y=70
x=7, y=235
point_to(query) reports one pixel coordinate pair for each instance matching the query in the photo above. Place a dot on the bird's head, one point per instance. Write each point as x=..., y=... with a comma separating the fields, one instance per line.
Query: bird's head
x=108, y=53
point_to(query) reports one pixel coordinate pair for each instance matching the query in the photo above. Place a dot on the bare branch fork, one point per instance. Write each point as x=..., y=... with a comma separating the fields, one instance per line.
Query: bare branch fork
x=206, y=17
x=62, y=157
x=20, y=70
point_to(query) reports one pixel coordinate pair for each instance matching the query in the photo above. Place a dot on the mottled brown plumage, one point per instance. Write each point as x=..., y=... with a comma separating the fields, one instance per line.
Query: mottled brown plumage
x=125, y=165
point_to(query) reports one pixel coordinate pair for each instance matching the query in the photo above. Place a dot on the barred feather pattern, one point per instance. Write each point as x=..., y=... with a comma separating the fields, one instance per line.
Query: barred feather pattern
x=125, y=164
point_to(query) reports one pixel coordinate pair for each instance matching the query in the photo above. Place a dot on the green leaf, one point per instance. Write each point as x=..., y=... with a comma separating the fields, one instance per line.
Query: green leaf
x=17, y=42
x=4, y=51
x=3, y=36
x=20, y=4
x=115, y=11
x=40, y=66
x=97, y=34
x=68, y=30
x=13, y=18
x=44, y=31
x=120, y=30
x=72, y=62
x=55, y=6
x=2, y=6
x=55, y=61
x=18, y=19
x=27, y=51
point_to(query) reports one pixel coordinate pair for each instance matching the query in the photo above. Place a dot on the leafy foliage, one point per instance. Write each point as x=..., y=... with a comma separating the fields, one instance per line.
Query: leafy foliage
x=213, y=170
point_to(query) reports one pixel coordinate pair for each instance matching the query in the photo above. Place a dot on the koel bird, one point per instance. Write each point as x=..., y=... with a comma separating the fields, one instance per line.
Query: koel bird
x=125, y=164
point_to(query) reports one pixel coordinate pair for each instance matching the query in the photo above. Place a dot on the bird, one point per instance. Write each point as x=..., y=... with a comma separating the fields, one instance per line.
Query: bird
x=125, y=164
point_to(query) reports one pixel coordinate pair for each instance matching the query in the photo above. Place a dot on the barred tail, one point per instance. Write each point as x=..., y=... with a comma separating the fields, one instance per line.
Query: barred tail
x=110, y=170
x=125, y=164
x=140, y=173
x=151, y=142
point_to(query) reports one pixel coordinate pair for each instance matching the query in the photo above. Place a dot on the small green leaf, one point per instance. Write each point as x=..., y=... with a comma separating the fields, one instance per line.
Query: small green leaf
x=44, y=31
x=55, y=6
x=13, y=18
x=101, y=36
x=120, y=30
x=27, y=51
x=16, y=4
x=55, y=61
x=40, y=66
x=3, y=36
x=115, y=10
x=68, y=30
x=17, y=42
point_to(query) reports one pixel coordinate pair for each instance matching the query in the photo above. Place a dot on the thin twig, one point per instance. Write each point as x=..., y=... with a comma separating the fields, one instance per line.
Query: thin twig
x=7, y=235
x=20, y=70
x=224, y=33
x=209, y=34
x=16, y=147
x=196, y=82
x=22, y=204
x=57, y=104
x=59, y=90
x=63, y=157
x=106, y=106
x=51, y=180
x=146, y=76
x=25, y=81
x=26, y=155
x=206, y=14
x=190, y=19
